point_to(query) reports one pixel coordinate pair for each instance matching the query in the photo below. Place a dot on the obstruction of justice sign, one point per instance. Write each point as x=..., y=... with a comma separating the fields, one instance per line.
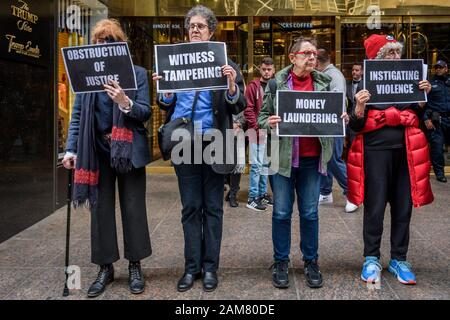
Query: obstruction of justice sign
x=191, y=66
x=310, y=114
x=90, y=67
x=394, y=81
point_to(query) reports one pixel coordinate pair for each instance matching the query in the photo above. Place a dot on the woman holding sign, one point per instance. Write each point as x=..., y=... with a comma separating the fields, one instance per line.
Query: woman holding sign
x=388, y=162
x=201, y=183
x=107, y=143
x=302, y=161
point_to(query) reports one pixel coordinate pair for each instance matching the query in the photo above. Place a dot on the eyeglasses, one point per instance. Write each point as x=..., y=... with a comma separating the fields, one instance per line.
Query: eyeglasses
x=199, y=26
x=306, y=53
x=108, y=39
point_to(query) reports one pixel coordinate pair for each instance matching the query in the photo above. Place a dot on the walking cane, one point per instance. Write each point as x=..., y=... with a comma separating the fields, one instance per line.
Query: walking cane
x=69, y=200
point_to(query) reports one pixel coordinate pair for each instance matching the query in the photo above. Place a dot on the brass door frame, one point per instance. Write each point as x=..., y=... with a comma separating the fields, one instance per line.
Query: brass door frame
x=403, y=24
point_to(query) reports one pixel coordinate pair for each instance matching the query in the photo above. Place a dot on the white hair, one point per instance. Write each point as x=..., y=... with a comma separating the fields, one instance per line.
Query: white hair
x=382, y=53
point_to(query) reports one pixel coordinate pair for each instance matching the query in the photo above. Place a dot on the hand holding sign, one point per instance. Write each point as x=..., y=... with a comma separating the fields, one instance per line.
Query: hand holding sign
x=156, y=77
x=345, y=117
x=424, y=85
x=273, y=121
x=361, y=99
x=228, y=71
x=116, y=93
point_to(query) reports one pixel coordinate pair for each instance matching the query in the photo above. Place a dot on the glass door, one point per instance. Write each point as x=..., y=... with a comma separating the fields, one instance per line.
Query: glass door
x=274, y=35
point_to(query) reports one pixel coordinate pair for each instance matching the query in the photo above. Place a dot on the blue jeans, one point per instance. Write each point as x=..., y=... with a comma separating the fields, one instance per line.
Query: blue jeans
x=258, y=180
x=336, y=168
x=305, y=181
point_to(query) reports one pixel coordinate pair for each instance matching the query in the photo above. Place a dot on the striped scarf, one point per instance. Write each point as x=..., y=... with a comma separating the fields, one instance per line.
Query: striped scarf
x=85, y=191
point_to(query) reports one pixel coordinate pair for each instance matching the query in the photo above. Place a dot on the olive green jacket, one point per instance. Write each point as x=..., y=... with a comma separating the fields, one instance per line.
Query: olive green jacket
x=321, y=83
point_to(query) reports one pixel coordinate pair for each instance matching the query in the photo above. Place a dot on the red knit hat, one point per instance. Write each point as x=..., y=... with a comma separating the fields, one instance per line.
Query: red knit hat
x=375, y=42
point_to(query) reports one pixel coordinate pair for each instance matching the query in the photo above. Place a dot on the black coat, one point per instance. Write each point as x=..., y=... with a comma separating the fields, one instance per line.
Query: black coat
x=351, y=100
x=140, y=113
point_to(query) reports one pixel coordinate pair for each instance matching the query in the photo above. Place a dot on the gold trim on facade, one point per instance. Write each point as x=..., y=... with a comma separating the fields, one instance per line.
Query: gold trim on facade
x=229, y=8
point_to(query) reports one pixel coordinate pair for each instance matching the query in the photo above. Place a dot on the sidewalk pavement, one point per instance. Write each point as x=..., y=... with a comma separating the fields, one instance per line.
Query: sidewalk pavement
x=32, y=262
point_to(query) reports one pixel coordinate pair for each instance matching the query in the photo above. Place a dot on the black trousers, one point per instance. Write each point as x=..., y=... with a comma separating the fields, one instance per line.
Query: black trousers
x=437, y=139
x=386, y=180
x=234, y=181
x=136, y=236
x=201, y=192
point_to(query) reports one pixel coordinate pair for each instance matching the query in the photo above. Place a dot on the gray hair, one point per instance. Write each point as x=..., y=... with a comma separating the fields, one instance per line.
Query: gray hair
x=206, y=13
x=387, y=47
x=297, y=44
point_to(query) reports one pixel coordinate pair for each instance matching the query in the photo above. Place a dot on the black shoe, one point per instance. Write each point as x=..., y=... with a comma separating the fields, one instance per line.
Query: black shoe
x=210, y=281
x=267, y=200
x=312, y=274
x=280, y=274
x=187, y=281
x=441, y=179
x=256, y=204
x=136, y=279
x=233, y=201
x=105, y=276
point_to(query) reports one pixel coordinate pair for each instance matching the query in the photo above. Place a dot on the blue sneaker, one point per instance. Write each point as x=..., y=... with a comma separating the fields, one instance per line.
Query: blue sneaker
x=402, y=270
x=371, y=271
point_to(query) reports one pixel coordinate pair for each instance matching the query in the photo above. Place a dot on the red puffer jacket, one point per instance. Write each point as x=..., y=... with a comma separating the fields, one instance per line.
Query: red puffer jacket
x=417, y=154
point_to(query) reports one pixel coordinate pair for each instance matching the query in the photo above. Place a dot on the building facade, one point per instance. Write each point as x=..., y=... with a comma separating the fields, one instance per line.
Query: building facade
x=36, y=100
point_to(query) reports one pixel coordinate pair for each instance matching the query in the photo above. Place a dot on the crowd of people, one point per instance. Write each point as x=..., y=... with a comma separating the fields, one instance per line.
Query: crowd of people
x=388, y=161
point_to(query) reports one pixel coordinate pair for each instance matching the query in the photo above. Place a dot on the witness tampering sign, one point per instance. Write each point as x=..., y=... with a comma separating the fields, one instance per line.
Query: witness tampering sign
x=310, y=114
x=394, y=81
x=90, y=67
x=191, y=66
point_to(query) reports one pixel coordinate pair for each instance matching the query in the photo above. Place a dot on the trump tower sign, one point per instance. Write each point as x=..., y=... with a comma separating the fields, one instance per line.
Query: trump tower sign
x=394, y=81
x=310, y=114
x=90, y=67
x=191, y=66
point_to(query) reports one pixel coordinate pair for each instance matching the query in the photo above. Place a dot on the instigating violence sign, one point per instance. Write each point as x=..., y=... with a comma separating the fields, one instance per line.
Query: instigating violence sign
x=191, y=66
x=394, y=81
x=310, y=114
x=90, y=67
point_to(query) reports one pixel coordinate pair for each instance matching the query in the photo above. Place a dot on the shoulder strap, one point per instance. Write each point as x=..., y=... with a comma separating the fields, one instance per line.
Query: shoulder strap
x=272, y=87
x=194, y=103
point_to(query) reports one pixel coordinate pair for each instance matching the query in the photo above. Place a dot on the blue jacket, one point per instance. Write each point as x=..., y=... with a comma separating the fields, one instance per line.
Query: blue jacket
x=439, y=96
x=140, y=113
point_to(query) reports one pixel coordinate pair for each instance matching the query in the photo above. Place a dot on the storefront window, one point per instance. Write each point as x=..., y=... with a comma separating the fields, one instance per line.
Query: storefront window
x=75, y=22
x=353, y=33
x=274, y=35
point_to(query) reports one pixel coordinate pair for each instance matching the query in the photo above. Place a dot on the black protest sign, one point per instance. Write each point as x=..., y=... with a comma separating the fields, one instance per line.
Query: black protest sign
x=191, y=66
x=90, y=67
x=394, y=81
x=310, y=114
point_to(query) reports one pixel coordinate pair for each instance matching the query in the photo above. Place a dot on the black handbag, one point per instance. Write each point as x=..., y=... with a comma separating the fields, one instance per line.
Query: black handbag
x=166, y=130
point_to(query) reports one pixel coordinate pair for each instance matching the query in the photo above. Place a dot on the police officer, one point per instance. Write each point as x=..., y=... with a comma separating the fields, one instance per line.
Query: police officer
x=437, y=117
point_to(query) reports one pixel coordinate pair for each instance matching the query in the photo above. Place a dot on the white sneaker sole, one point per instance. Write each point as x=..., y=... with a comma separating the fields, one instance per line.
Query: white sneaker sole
x=253, y=208
x=370, y=281
x=395, y=274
